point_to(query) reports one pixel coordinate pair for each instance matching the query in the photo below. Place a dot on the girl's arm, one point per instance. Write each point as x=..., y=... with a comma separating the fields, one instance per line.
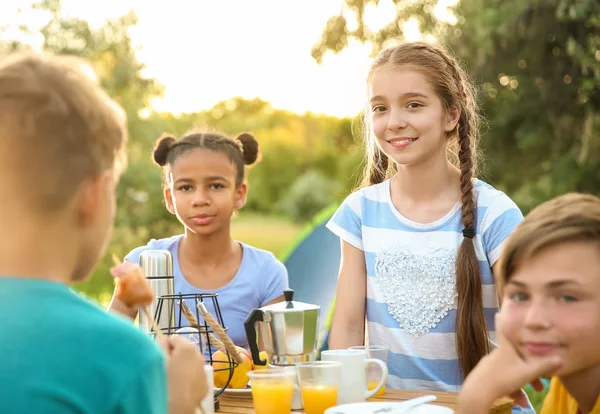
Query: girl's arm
x=276, y=300
x=348, y=327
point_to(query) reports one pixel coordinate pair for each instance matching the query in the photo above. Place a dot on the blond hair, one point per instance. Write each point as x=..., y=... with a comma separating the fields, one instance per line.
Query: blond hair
x=569, y=218
x=57, y=127
x=452, y=86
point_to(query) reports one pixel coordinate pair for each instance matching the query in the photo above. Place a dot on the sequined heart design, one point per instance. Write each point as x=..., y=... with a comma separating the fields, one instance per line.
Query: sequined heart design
x=419, y=289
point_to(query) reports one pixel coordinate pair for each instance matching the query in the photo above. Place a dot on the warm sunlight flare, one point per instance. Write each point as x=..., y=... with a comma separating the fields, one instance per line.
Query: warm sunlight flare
x=239, y=49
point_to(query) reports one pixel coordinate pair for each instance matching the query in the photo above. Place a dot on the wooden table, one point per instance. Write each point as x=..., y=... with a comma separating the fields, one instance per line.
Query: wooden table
x=242, y=404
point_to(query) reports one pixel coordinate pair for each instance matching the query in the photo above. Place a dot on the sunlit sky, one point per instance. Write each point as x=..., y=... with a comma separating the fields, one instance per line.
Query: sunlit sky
x=206, y=51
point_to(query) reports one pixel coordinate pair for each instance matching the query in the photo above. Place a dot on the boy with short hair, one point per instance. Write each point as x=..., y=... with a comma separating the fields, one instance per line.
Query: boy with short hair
x=62, y=145
x=549, y=322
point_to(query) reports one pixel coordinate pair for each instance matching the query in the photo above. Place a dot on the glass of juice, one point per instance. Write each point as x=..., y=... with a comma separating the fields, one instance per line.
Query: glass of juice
x=373, y=373
x=319, y=385
x=272, y=390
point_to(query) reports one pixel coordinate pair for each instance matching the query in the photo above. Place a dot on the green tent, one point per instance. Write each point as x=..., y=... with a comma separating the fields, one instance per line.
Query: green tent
x=313, y=263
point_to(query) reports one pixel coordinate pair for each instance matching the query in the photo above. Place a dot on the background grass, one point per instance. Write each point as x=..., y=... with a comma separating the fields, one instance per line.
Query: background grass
x=275, y=234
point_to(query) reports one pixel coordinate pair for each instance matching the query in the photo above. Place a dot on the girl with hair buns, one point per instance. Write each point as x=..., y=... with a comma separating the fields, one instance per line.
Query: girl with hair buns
x=204, y=185
x=420, y=239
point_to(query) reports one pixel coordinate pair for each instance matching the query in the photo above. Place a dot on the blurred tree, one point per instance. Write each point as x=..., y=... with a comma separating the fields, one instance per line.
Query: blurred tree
x=110, y=52
x=291, y=144
x=538, y=66
x=338, y=31
x=310, y=193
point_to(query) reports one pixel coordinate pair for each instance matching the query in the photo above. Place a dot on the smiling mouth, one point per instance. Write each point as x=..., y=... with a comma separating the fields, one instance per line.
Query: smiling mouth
x=402, y=140
x=401, y=143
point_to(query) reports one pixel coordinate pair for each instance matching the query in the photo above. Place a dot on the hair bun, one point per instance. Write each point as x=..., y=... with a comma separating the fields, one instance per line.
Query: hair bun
x=161, y=149
x=249, y=146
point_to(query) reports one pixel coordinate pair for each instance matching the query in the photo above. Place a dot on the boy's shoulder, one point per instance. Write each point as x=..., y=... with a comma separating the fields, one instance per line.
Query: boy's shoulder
x=558, y=399
x=94, y=357
x=113, y=334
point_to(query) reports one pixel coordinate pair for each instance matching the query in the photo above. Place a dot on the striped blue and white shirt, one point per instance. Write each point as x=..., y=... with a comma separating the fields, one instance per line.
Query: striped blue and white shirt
x=411, y=283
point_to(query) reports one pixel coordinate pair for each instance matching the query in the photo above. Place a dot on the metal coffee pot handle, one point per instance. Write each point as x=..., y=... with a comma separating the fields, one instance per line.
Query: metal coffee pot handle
x=256, y=315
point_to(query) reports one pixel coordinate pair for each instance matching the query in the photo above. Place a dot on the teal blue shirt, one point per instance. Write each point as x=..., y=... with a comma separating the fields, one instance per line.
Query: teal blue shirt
x=62, y=354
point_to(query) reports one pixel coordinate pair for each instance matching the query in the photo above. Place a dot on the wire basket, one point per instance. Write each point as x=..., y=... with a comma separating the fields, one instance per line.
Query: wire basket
x=193, y=328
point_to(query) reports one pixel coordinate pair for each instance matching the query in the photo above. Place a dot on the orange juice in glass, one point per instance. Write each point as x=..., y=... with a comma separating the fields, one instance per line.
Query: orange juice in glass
x=317, y=398
x=272, y=390
x=373, y=373
x=319, y=385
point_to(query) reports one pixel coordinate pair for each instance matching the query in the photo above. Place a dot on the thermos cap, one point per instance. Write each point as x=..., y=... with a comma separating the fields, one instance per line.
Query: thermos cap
x=156, y=263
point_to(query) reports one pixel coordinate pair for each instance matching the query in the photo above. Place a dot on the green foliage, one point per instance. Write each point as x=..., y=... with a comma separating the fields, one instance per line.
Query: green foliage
x=536, y=398
x=538, y=68
x=543, y=137
x=311, y=193
x=336, y=34
x=290, y=145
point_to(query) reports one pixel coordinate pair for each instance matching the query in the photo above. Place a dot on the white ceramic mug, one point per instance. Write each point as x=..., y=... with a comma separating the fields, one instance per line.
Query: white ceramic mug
x=353, y=379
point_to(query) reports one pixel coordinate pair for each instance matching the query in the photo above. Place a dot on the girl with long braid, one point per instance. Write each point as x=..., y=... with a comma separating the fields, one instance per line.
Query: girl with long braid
x=421, y=237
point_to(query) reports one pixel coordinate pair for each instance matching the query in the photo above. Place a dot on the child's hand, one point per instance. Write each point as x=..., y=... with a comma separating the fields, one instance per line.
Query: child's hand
x=116, y=305
x=187, y=380
x=502, y=371
x=131, y=286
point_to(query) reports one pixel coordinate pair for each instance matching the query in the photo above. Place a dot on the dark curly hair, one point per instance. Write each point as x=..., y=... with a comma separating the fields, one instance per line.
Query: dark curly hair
x=242, y=151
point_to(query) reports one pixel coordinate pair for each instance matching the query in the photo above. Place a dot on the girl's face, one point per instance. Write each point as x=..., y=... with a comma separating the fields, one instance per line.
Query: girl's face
x=551, y=305
x=408, y=119
x=202, y=192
